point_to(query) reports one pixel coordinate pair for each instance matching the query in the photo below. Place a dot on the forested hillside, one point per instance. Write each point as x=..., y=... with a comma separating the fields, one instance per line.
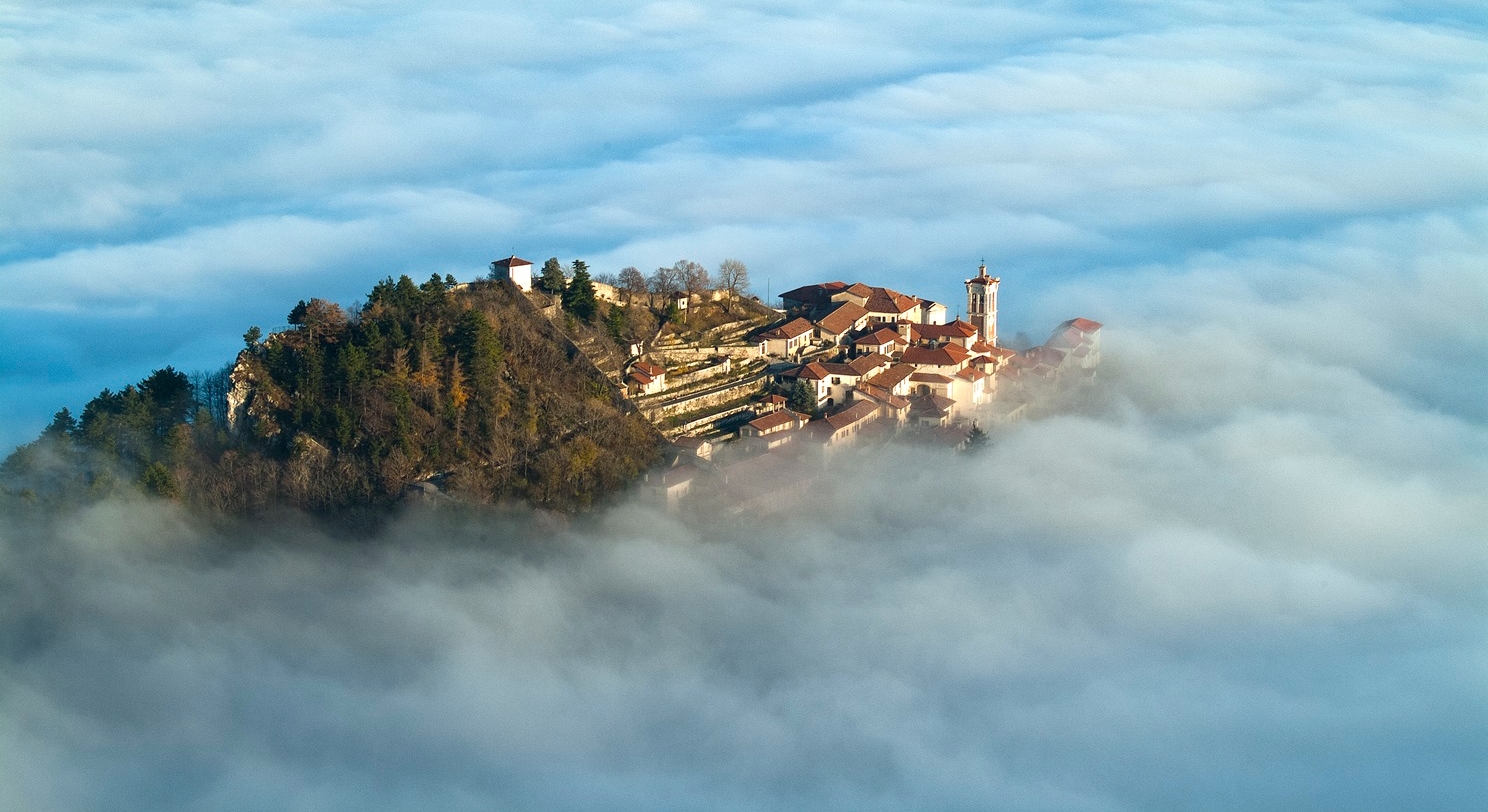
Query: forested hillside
x=467, y=386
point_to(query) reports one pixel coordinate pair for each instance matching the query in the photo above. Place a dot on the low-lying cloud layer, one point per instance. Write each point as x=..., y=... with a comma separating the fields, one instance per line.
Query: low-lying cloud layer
x=1247, y=573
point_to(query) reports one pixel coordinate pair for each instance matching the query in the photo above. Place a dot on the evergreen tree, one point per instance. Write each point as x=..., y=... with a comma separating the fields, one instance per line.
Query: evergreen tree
x=63, y=425
x=552, y=279
x=615, y=324
x=801, y=398
x=578, y=297
x=976, y=439
x=479, y=349
x=157, y=480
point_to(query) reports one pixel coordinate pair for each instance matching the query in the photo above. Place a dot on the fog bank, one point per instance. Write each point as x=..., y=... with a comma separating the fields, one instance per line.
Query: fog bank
x=1246, y=573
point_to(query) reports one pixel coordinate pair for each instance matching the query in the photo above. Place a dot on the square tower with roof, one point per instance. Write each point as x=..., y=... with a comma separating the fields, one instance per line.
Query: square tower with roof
x=981, y=304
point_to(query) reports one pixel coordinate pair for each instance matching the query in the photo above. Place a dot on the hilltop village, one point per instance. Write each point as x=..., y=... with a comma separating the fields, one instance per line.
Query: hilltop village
x=753, y=397
x=555, y=390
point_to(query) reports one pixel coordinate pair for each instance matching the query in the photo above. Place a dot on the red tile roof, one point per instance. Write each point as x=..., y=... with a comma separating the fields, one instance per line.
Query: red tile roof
x=879, y=337
x=648, y=369
x=794, y=328
x=833, y=368
x=813, y=371
x=930, y=377
x=867, y=364
x=814, y=294
x=844, y=318
x=882, y=395
x=884, y=300
x=862, y=410
x=956, y=329
x=772, y=421
x=946, y=355
x=1083, y=325
x=892, y=376
x=935, y=404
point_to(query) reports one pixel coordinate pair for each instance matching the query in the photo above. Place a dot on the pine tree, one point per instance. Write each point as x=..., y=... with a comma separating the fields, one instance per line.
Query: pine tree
x=578, y=297
x=615, y=324
x=552, y=279
x=976, y=439
x=801, y=398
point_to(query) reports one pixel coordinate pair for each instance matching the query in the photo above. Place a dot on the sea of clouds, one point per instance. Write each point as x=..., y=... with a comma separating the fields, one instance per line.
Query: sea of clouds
x=1249, y=570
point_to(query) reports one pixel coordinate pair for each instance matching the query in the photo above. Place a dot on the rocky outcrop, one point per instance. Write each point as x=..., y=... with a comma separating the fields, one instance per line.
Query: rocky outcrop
x=252, y=398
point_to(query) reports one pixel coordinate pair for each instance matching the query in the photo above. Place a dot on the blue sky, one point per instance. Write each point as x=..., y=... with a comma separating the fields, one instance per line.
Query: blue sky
x=1245, y=572
x=176, y=172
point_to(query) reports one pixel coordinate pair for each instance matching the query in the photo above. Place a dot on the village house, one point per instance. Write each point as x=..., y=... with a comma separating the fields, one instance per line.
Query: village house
x=646, y=378
x=788, y=338
x=772, y=430
x=695, y=447
x=910, y=365
x=841, y=430
x=887, y=361
x=845, y=319
x=1074, y=348
x=514, y=270
x=883, y=341
x=672, y=485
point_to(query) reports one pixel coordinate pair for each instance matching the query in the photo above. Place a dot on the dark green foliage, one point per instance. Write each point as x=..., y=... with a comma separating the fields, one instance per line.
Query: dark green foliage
x=578, y=297
x=615, y=324
x=343, y=412
x=552, y=280
x=800, y=398
x=62, y=426
x=157, y=480
x=976, y=439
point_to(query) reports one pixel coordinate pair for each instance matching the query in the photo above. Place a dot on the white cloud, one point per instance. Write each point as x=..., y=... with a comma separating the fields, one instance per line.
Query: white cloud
x=1238, y=558
x=1246, y=575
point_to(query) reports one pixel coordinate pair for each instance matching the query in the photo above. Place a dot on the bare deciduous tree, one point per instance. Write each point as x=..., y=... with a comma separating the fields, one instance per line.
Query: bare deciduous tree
x=694, y=276
x=632, y=282
x=665, y=281
x=734, y=278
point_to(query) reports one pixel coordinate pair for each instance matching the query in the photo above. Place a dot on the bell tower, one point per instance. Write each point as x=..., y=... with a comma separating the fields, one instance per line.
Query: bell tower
x=981, y=304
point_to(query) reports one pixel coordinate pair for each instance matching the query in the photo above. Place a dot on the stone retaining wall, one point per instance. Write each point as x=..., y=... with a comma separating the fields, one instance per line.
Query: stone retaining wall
x=658, y=413
x=720, y=368
x=678, y=355
x=702, y=422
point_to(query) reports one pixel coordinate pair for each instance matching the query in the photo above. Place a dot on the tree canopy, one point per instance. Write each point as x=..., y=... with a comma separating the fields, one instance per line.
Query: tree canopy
x=340, y=412
x=578, y=297
x=552, y=279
